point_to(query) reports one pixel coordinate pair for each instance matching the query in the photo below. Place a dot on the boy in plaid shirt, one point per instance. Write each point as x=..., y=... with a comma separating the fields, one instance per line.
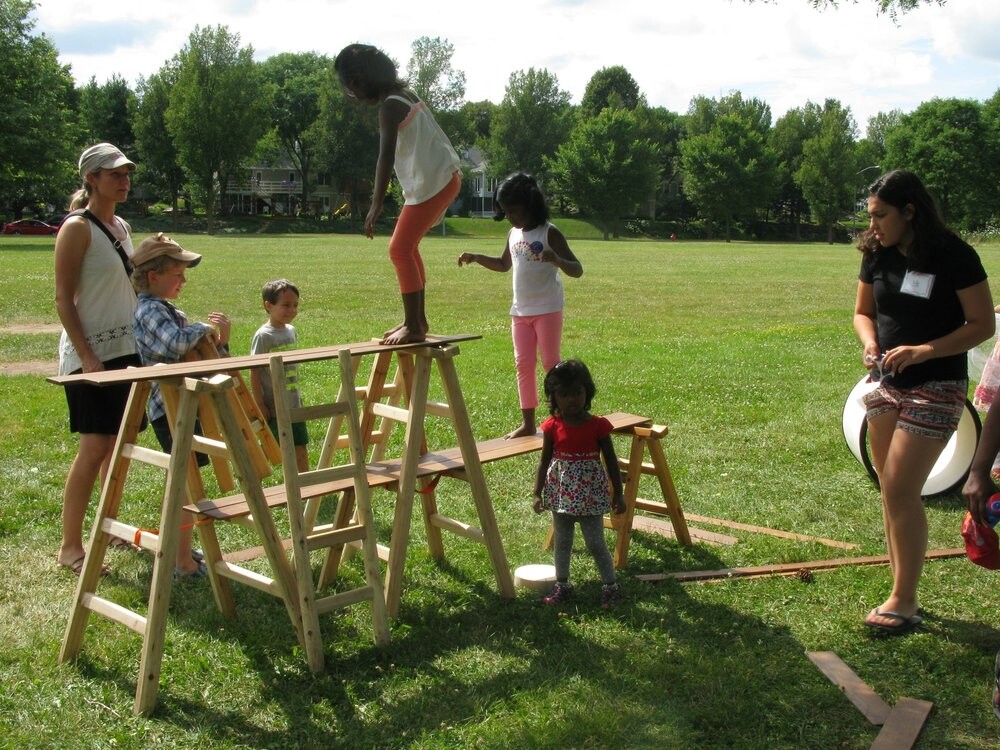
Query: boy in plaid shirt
x=163, y=335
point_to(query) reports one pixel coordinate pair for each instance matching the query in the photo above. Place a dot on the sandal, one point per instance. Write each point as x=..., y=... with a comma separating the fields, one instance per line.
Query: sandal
x=898, y=625
x=76, y=567
x=121, y=544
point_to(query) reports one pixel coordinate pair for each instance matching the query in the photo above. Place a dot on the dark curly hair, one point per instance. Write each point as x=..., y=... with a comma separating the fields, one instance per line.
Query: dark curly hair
x=566, y=375
x=367, y=71
x=521, y=189
x=901, y=188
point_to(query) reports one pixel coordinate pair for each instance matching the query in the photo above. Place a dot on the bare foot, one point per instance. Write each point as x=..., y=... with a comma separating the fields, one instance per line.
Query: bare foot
x=392, y=330
x=522, y=431
x=403, y=335
x=426, y=328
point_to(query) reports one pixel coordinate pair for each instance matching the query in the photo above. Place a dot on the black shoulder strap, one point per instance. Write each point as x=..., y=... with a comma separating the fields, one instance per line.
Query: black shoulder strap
x=115, y=242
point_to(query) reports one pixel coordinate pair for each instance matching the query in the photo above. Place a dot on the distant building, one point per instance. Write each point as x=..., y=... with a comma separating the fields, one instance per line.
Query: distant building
x=277, y=190
x=482, y=185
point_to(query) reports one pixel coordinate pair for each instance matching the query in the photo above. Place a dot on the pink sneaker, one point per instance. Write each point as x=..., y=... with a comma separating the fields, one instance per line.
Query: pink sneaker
x=560, y=593
x=611, y=594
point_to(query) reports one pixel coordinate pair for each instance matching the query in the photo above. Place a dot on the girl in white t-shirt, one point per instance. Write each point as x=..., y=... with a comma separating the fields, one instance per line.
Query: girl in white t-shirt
x=537, y=251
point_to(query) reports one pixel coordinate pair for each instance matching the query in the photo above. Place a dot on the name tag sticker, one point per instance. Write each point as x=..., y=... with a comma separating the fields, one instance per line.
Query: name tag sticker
x=918, y=284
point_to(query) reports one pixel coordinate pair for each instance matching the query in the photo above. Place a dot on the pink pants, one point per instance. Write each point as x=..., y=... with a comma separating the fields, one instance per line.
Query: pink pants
x=413, y=223
x=533, y=334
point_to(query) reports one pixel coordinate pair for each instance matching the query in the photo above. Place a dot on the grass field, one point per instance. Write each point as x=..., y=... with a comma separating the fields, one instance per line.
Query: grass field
x=745, y=351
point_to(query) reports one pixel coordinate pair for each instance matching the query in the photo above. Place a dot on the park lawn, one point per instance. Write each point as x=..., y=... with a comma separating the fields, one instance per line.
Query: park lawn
x=745, y=351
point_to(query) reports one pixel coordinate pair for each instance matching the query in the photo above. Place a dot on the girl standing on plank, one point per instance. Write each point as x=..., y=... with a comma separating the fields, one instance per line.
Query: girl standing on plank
x=413, y=144
x=537, y=251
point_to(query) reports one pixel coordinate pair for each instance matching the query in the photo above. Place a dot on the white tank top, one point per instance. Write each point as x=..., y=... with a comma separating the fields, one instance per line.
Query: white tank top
x=105, y=302
x=425, y=159
x=537, y=287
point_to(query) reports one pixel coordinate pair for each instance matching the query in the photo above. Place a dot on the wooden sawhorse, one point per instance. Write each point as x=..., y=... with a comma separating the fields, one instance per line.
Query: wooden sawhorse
x=406, y=476
x=180, y=481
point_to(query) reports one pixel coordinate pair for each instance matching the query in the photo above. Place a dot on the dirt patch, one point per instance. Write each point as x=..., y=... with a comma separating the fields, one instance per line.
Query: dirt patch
x=44, y=367
x=31, y=328
x=32, y=366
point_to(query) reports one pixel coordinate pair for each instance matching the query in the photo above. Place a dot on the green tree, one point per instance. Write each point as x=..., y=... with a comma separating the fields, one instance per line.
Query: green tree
x=158, y=164
x=610, y=87
x=218, y=110
x=431, y=76
x=530, y=123
x=827, y=175
x=991, y=123
x=348, y=147
x=943, y=141
x=298, y=80
x=786, y=139
x=729, y=169
x=605, y=168
x=106, y=112
x=664, y=129
x=39, y=135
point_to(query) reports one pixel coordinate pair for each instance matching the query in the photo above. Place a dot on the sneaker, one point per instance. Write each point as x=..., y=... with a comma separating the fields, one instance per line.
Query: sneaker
x=560, y=593
x=200, y=572
x=611, y=594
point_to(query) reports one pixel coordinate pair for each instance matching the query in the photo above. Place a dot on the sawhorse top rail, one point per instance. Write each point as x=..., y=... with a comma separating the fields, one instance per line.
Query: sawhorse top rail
x=207, y=368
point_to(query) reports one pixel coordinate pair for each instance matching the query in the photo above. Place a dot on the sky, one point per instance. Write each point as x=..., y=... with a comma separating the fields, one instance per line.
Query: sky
x=784, y=52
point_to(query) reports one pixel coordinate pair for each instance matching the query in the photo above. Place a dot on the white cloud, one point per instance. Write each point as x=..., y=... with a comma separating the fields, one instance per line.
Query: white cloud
x=784, y=53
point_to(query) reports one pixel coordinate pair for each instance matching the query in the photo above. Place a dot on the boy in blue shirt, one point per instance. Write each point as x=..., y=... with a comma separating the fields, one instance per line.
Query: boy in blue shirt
x=163, y=335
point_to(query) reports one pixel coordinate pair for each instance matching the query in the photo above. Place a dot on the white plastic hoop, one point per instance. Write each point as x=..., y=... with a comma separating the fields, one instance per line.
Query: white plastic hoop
x=953, y=463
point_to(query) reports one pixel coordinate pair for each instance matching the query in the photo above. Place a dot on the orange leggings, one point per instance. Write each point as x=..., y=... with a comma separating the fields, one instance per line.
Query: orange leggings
x=413, y=223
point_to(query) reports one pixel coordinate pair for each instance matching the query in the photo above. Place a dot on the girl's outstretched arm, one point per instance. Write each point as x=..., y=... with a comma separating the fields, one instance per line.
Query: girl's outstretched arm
x=501, y=263
x=614, y=473
x=560, y=255
x=390, y=114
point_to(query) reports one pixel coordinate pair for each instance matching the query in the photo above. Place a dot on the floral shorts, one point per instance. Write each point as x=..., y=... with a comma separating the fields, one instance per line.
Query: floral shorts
x=932, y=409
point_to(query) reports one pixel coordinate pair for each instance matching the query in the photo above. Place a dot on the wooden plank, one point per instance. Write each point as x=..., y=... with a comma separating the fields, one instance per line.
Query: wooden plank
x=666, y=528
x=250, y=361
x=789, y=568
x=857, y=691
x=903, y=726
x=771, y=532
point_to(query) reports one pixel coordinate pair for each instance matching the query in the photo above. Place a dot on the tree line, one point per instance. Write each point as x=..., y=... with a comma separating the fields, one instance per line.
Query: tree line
x=211, y=111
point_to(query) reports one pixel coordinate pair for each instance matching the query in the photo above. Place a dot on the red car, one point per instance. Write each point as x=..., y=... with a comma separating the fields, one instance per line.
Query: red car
x=29, y=226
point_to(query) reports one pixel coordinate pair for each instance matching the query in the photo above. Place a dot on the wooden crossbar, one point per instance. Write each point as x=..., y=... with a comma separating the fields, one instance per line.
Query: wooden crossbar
x=386, y=473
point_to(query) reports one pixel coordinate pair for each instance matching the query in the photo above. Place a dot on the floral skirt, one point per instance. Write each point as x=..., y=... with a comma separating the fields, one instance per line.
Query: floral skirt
x=577, y=487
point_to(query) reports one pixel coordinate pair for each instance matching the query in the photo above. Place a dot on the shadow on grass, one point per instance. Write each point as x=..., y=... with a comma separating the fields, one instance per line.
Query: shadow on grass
x=465, y=666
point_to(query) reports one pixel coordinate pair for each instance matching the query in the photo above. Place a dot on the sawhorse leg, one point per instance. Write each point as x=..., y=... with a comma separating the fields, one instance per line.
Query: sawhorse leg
x=651, y=439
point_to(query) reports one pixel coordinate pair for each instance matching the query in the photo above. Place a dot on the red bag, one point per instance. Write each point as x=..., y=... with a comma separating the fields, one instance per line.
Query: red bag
x=981, y=543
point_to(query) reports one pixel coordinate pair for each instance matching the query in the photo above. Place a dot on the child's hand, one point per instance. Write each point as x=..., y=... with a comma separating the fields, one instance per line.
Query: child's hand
x=537, y=504
x=618, y=503
x=466, y=258
x=549, y=256
x=222, y=326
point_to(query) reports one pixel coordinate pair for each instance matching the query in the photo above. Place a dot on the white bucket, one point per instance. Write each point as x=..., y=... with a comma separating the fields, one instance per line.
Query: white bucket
x=953, y=463
x=536, y=577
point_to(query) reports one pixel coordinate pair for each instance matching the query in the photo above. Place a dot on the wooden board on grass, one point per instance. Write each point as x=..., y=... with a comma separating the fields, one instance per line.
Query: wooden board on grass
x=786, y=569
x=903, y=725
x=857, y=690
